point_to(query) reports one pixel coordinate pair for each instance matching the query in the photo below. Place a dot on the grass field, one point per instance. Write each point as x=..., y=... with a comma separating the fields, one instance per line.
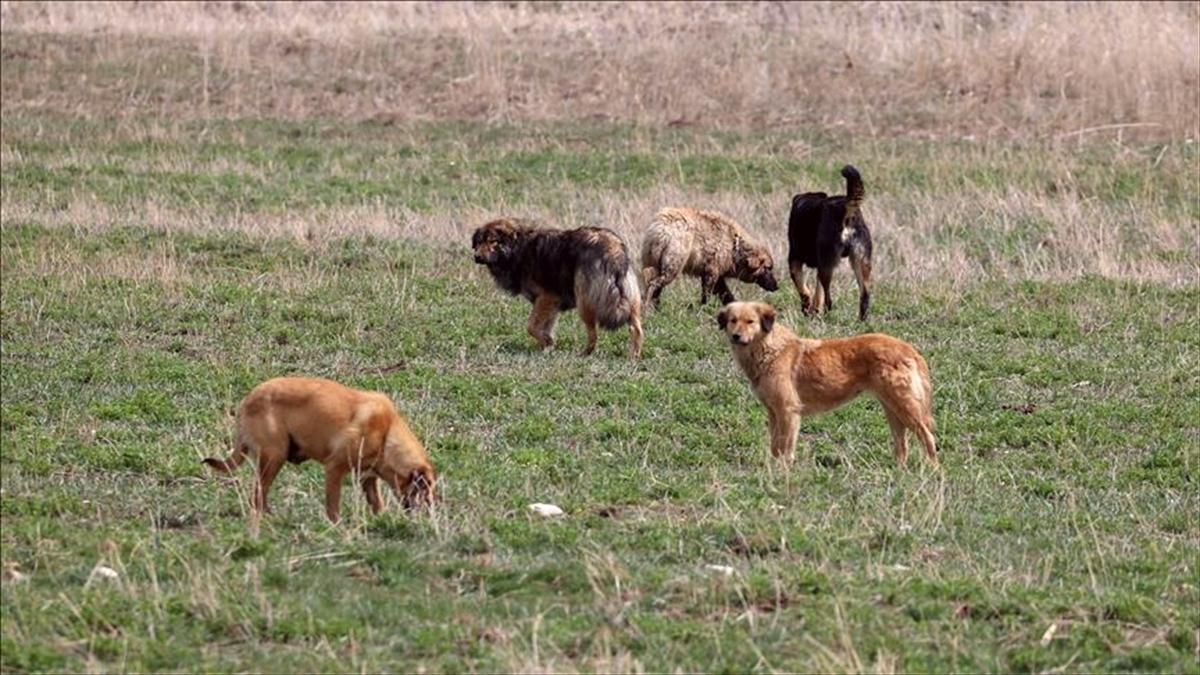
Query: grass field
x=1067, y=413
x=159, y=259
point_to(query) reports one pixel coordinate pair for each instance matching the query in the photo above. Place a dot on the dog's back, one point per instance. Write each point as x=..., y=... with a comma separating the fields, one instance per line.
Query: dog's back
x=819, y=223
x=804, y=224
x=821, y=231
x=311, y=409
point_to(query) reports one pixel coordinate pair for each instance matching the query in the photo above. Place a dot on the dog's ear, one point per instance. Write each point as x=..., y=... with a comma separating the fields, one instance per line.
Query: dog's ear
x=766, y=315
x=722, y=318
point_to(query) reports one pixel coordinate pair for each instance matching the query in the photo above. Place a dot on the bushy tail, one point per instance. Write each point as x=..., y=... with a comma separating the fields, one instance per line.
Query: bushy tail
x=229, y=465
x=610, y=287
x=927, y=387
x=854, y=191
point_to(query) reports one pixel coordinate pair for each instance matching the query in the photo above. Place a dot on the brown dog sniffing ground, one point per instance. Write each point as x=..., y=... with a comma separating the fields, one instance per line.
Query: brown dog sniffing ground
x=295, y=419
x=795, y=376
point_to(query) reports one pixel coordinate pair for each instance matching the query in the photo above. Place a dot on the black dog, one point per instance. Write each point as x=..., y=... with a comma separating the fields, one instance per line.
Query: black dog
x=557, y=270
x=821, y=231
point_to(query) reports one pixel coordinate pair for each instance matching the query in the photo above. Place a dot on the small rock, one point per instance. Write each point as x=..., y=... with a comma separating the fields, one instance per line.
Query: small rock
x=724, y=570
x=103, y=573
x=546, y=510
x=12, y=574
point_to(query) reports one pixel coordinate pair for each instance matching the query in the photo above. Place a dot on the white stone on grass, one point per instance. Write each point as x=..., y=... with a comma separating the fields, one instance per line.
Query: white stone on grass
x=546, y=510
x=102, y=573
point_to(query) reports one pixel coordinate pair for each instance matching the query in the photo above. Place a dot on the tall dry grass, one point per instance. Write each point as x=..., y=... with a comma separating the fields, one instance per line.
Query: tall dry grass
x=920, y=237
x=937, y=69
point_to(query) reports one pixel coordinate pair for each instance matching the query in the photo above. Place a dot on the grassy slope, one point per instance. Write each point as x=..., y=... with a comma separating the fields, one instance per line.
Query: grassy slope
x=124, y=350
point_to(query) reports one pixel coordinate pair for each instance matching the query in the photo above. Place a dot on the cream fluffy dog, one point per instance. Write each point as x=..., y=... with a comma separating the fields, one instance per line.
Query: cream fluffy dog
x=703, y=244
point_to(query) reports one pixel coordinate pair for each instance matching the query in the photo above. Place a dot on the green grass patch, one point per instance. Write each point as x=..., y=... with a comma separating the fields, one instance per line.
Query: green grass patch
x=1066, y=414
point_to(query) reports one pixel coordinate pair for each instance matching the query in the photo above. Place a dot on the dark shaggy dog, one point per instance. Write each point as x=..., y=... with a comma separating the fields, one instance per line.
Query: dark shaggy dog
x=558, y=270
x=821, y=231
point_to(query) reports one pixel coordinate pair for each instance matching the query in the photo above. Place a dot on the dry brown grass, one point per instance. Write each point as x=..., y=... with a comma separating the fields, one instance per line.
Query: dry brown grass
x=920, y=237
x=931, y=69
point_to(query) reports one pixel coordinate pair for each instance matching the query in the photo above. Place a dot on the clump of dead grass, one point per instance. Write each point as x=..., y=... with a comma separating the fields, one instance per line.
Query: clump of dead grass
x=967, y=69
x=920, y=237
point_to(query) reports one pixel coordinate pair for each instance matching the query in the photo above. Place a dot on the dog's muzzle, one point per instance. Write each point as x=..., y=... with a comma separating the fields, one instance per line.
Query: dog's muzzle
x=768, y=283
x=738, y=340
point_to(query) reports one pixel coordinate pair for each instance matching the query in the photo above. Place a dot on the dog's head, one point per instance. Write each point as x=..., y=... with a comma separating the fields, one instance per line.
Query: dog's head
x=414, y=486
x=754, y=265
x=745, y=322
x=419, y=489
x=493, y=241
x=405, y=467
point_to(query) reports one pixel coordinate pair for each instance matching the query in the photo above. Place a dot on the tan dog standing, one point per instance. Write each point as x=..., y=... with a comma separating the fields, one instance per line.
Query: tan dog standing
x=703, y=244
x=795, y=376
x=295, y=419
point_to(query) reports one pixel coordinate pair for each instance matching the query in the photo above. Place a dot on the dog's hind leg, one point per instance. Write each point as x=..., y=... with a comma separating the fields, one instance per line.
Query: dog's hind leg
x=269, y=464
x=899, y=437
x=797, y=271
x=588, y=314
x=635, y=332
x=658, y=279
x=925, y=432
x=649, y=276
x=370, y=488
x=862, y=273
x=913, y=414
x=824, y=279
x=542, y=320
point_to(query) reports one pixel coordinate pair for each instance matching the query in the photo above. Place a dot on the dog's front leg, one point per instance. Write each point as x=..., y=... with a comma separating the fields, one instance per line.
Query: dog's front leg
x=773, y=429
x=333, y=491
x=785, y=426
x=722, y=291
x=790, y=430
x=370, y=488
x=708, y=283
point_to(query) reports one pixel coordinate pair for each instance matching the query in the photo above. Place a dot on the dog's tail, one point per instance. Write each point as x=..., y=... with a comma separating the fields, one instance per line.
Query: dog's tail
x=922, y=385
x=235, y=460
x=610, y=286
x=854, y=191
